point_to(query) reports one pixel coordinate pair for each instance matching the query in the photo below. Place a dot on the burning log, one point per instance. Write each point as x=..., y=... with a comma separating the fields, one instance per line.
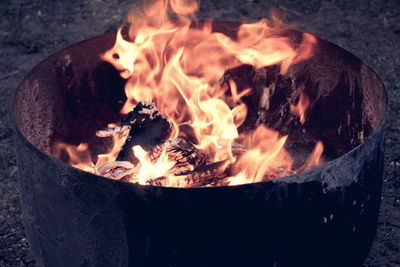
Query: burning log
x=148, y=128
x=210, y=174
x=181, y=151
x=178, y=150
x=116, y=169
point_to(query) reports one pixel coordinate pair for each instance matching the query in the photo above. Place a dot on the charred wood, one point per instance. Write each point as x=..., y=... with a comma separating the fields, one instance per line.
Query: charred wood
x=181, y=151
x=148, y=128
x=211, y=174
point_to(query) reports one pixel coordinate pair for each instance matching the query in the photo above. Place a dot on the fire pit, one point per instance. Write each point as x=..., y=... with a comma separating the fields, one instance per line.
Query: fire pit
x=325, y=216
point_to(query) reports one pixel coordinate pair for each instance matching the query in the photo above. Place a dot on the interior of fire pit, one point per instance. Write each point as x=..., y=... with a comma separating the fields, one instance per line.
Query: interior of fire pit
x=73, y=94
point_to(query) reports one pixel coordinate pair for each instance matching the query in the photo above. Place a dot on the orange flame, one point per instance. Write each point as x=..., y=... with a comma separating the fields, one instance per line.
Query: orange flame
x=265, y=156
x=179, y=67
x=314, y=159
x=301, y=107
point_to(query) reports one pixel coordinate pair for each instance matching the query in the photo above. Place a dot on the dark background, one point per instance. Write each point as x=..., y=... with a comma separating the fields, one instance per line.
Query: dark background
x=30, y=30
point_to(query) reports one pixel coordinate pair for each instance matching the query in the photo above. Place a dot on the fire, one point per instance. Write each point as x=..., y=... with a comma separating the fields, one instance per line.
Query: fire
x=79, y=156
x=179, y=67
x=151, y=170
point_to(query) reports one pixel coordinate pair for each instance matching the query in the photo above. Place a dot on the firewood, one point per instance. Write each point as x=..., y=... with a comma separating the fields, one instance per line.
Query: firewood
x=209, y=174
x=148, y=128
x=181, y=151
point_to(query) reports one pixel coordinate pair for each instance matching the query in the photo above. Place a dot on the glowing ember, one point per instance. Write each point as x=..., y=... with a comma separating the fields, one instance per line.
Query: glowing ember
x=178, y=67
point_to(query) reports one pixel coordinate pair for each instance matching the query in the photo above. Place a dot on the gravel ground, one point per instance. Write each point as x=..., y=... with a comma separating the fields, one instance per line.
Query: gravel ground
x=31, y=30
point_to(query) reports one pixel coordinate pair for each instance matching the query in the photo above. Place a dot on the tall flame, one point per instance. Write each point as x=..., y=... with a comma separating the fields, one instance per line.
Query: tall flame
x=265, y=156
x=178, y=67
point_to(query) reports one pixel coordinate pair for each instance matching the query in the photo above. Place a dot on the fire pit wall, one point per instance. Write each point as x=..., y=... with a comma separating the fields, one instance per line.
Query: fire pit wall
x=323, y=217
